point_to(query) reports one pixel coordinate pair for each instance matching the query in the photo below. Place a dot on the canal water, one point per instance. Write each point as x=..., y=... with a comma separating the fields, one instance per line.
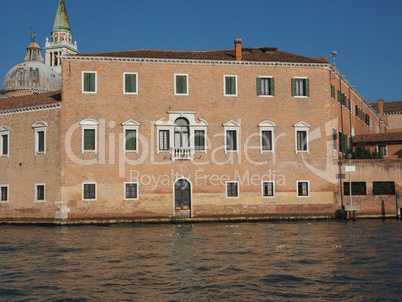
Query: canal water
x=263, y=261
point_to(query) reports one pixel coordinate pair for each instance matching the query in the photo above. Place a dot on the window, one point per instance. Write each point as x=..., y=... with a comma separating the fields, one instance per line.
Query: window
x=89, y=135
x=130, y=136
x=303, y=189
x=358, y=188
x=333, y=91
x=383, y=188
x=199, y=140
x=231, y=140
x=265, y=86
x=89, y=191
x=232, y=189
x=4, y=140
x=3, y=193
x=343, y=142
x=39, y=192
x=130, y=83
x=301, y=137
x=181, y=84
x=383, y=149
x=130, y=190
x=164, y=141
x=181, y=133
x=268, y=189
x=40, y=137
x=266, y=140
x=335, y=138
x=300, y=87
x=230, y=84
x=89, y=82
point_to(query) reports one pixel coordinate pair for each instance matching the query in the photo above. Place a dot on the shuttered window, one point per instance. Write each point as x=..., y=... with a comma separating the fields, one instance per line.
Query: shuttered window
x=181, y=84
x=89, y=140
x=335, y=138
x=199, y=140
x=130, y=83
x=265, y=86
x=131, y=140
x=300, y=87
x=333, y=91
x=230, y=85
x=89, y=82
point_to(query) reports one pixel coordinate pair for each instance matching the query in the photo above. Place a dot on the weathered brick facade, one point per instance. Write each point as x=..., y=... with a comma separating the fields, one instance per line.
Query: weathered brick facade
x=66, y=167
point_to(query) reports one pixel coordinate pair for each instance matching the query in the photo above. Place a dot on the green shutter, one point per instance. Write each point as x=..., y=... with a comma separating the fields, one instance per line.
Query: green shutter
x=199, y=140
x=333, y=91
x=130, y=83
x=89, y=139
x=92, y=82
x=272, y=86
x=131, y=140
x=41, y=141
x=233, y=85
x=258, y=86
x=293, y=87
x=227, y=85
x=181, y=84
x=230, y=85
x=86, y=81
x=307, y=87
x=350, y=143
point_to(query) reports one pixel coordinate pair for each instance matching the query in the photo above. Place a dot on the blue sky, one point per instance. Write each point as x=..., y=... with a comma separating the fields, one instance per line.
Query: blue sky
x=366, y=33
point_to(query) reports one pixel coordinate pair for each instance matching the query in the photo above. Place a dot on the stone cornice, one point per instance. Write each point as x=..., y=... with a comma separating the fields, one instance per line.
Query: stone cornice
x=30, y=109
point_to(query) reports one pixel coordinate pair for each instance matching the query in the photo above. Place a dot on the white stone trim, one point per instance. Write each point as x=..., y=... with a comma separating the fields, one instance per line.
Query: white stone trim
x=265, y=95
x=386, y=148
x=262, y=188
x=181, y=74
x=124, y=82
x=4, y=130
x=131, y=125
x=8, y=193
x=96, y=190
x=36, y=192
x=128, y=182
x=30, y=109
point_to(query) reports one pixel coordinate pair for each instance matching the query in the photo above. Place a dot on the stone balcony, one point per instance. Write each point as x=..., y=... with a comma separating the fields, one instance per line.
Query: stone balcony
x=182, y=153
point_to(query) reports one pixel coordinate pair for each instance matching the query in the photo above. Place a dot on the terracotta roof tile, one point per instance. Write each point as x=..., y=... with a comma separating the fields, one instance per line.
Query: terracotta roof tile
x=379, y=137
x=256, y=54
x=30, y=100
x=388, y=106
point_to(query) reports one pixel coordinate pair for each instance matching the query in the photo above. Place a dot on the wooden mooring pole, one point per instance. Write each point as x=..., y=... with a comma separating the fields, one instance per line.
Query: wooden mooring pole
x=398, y=206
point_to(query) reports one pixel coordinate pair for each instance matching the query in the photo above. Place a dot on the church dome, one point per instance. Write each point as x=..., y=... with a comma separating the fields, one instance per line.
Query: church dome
x=33, y=75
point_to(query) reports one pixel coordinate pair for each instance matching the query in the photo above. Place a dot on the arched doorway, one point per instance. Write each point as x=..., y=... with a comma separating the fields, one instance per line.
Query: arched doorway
x=182, y=198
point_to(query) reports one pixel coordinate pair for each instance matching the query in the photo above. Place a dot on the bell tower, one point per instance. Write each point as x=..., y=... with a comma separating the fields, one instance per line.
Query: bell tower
x=61, y=43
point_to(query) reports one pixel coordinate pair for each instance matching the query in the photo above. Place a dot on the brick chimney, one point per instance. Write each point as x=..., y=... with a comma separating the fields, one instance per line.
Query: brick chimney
x=380, y=103
x=237, y=42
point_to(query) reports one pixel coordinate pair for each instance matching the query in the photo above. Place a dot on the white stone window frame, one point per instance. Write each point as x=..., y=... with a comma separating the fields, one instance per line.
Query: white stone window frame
x=267, y=126
x=301, y=96
x=8, y=193
x=228, y=126
x=193, y=125
x=224, y=84
x=4, y=130
x=266, y=95
x=226, y=189
x=302, y=126
x=175, y=77
x=273, y=188
x=124, y=82
x=96, y=82
x=386, y=149
x=125, y=196
x=89, y=124
x=308, y=188
x=40, y=126
x=96, y=191
x=131, y=125
x=36, y=192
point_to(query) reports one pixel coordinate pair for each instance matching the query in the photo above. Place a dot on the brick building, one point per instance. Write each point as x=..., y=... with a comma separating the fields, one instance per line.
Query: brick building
x=252, y=131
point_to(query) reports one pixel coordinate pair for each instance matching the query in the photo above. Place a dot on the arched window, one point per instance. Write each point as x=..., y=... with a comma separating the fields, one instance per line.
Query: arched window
x=181, y=133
